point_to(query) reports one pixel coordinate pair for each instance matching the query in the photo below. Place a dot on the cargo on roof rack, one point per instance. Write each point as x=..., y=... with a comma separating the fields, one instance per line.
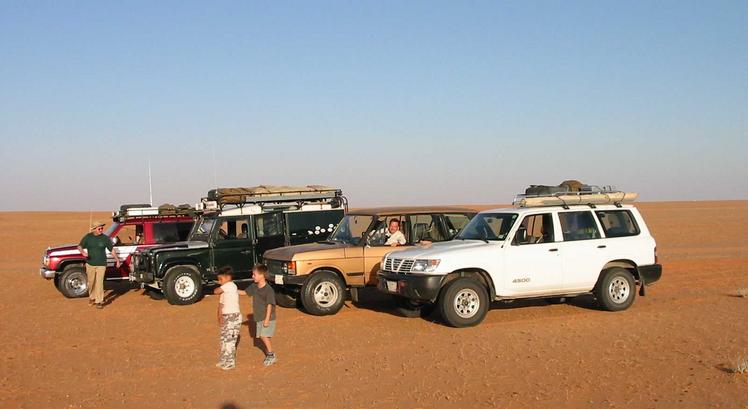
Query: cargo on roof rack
x=127, y=211
x=566, y=199
x=274, y=194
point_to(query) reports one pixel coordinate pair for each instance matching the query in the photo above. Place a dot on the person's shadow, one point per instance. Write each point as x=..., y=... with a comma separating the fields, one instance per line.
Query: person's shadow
x=253, y=333
x=116, y=290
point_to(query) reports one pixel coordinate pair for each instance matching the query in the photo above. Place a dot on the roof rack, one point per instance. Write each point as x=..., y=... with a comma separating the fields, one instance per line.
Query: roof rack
x=273, y=196
x=127, y=211
x=566, y=199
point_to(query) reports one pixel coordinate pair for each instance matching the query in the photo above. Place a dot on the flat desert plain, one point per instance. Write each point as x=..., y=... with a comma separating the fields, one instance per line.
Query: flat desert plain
x=672, y=348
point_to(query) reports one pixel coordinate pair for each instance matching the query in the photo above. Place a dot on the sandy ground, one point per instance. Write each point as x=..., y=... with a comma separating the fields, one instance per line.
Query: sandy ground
x=673, y=348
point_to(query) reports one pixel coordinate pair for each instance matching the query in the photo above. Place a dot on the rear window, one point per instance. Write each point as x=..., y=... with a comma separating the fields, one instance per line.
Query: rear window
x=618, y=223
x=578, y=226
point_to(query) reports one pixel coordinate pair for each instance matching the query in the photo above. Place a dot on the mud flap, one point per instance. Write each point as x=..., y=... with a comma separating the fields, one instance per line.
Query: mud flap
x=354, y=294
x=642, y=284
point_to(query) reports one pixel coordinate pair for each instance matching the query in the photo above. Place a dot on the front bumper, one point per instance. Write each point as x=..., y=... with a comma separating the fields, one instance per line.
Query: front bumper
x=142, y=276
x=650, y=274
x=48, y=274
x=286, y=279
x=419, y=287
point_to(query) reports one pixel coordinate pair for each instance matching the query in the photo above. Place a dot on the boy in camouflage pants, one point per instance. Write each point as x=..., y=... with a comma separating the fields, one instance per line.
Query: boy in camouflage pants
x=229, y=318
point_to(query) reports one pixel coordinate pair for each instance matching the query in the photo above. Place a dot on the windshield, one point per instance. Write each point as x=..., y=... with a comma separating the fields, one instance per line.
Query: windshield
x=202, y=229
x=351, y=229
x=488, y=226
x=111, y=229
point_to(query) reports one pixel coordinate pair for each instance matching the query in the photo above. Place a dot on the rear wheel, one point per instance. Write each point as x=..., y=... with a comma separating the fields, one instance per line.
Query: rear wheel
x=182, y=286
x=616, y=289
x=323, y=293
x=463, y=303
x=73, y=282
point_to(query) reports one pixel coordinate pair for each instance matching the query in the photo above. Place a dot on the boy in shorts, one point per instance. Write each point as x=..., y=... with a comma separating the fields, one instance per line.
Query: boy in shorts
x=263, y=307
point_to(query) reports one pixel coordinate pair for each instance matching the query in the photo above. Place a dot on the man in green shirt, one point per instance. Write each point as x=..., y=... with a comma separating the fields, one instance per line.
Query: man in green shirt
x=93, y=246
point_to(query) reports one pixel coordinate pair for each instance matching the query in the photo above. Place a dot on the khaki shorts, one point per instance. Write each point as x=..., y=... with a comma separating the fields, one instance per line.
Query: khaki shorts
x=263, y=331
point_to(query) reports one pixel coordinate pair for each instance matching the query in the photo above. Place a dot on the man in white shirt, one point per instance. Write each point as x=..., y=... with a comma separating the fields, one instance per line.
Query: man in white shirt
x=394, y=236
x=229, y=318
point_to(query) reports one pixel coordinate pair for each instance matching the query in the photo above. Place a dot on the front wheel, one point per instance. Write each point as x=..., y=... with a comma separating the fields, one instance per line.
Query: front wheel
x=73, y=282
x=182, y=286
x=616, y=289
x=463, y=303
x=323, y=293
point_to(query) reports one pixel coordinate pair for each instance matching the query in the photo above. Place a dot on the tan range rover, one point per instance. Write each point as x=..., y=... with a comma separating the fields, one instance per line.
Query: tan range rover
x=318, y=274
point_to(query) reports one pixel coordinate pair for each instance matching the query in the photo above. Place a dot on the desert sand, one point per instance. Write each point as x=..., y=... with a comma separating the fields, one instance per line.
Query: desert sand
x=672, y=348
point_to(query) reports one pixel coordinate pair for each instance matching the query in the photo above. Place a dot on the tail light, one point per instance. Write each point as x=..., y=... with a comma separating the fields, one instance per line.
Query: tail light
x=655, y=254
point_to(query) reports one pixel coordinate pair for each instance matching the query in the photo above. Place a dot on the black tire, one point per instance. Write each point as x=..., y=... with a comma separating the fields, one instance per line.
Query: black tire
x=154, y=294
x=182, y=286
x=73, y=282
x=616, y=289
x=286, y=299
x=407, y=308
x=323, y=293
x=463, y=303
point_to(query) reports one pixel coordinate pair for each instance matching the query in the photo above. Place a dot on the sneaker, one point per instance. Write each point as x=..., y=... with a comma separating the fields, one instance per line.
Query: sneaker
x=100, y=306
x=220, y=365
x=270, y=359
x=227, y=367
x=91, y=303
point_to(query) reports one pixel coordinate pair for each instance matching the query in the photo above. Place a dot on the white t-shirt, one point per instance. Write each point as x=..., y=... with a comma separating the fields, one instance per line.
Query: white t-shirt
x=397, y=237
x=230, y=298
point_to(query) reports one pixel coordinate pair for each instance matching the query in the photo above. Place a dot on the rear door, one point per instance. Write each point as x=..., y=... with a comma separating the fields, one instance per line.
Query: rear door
x=583, y=249
x=232, y=246
x=269, y=233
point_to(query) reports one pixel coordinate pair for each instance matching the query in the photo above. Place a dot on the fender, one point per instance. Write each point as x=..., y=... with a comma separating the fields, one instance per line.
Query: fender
x=180, y=261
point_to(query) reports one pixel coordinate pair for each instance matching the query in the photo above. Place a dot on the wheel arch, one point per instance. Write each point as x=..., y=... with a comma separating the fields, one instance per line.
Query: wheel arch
x=622, y=263
x=479, y=274
x=70, y=263
x=333, y=270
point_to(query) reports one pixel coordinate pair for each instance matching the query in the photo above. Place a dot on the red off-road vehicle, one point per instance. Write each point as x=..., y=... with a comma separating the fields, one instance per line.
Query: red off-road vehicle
x=134, y=227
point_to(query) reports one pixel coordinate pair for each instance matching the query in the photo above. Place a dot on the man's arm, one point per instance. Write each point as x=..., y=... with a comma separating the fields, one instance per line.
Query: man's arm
x=112, y=250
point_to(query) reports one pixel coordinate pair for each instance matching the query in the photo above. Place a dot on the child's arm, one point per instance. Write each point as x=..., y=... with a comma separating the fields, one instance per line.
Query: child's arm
x=218, y=290
x=220, y=316
x=241, y=292
x=269, y=310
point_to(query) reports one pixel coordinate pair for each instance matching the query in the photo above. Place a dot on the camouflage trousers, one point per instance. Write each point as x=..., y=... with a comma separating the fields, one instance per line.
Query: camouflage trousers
x=229, y=335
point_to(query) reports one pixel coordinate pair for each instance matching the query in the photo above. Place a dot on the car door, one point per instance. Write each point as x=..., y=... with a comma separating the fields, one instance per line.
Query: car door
x=269, y=232
x=232, y=246
x=532, y=261
x=583, y=249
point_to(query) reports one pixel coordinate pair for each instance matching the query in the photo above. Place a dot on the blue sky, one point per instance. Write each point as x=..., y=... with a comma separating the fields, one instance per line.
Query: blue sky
x=395, y=102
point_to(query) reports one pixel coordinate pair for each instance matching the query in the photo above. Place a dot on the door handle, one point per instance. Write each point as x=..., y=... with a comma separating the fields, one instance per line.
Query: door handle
x=245, y=251
x=552, y=249
x=602, y=246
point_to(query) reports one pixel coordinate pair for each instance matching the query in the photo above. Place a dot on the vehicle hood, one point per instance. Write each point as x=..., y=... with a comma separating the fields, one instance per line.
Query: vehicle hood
x=444, y=249
x=66, y=250
x=311, y=251
x=177, y=246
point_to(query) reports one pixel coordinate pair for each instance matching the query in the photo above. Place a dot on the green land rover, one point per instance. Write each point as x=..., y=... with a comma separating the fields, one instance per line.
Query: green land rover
x=237, y=226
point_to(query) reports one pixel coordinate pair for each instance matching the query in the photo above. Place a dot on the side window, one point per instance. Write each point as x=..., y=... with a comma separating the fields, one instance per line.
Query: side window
x=165, y=233
x=455, y=223
x=578, y=226
x=269, y=225
x=129, y=234
x=380, y=233
x=535, y=229
x=232, y=229
x=617, y=223
x=425, y=228
x=313, y=225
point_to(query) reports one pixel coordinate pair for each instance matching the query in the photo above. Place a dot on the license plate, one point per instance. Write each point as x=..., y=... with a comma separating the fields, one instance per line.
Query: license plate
x=391, y=286
x=279, y=280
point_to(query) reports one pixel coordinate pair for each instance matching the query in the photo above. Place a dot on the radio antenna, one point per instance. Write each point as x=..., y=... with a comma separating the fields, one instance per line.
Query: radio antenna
x=150, y=183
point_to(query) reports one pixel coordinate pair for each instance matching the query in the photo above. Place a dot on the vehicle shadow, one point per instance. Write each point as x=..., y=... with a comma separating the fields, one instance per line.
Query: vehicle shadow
x=372, y=299
x=115, y=290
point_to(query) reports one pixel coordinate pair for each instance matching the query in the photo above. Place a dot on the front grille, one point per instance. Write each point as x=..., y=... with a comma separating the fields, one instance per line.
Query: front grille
x=398, y=265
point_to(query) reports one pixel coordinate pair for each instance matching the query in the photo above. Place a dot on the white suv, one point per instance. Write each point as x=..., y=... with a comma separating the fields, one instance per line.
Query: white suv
x=537, y=252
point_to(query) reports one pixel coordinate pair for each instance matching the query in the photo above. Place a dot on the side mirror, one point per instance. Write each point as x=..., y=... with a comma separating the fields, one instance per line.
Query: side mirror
x=115, y=241
x=520, y=236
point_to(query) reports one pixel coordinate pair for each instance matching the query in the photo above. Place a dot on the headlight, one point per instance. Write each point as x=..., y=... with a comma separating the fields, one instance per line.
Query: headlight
x=288, y=267
x=45, y=260
x=425, y=266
